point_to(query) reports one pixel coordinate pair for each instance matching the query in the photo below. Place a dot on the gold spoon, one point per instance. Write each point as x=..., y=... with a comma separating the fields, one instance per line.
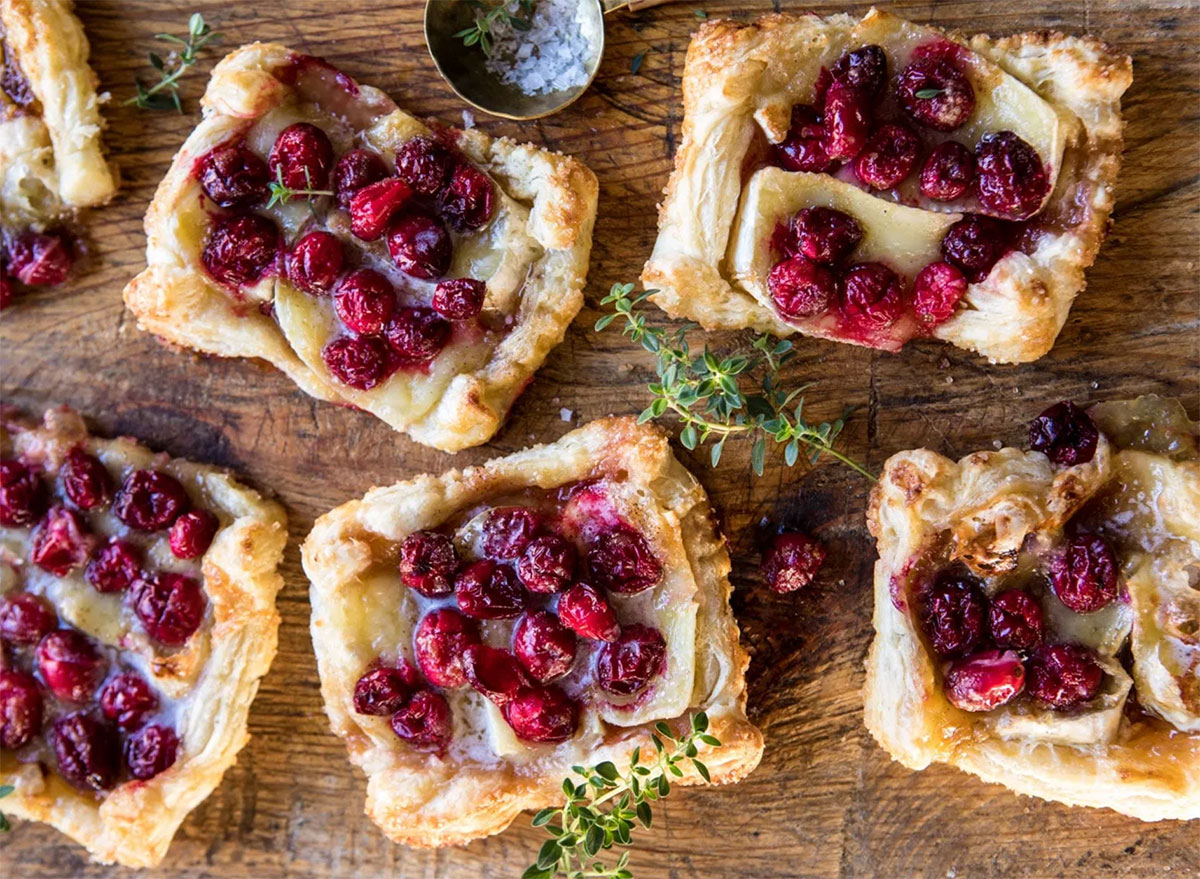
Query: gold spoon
x=463, y=66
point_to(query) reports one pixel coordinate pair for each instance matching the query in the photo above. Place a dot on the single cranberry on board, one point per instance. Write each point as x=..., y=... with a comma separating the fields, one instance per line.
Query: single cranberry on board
x=791, y=562
x=1062, y=676
x=22, y=495
x=39, y=259
x=428, y=563
x=986, y=680
x=442, y=637
x=1065, y=434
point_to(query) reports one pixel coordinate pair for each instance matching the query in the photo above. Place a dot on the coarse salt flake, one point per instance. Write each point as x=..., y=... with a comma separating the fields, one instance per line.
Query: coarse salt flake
x=548, y=57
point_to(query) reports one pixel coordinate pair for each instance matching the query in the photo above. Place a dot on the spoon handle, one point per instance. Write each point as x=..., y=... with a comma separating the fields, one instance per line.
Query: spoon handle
x=634, y=5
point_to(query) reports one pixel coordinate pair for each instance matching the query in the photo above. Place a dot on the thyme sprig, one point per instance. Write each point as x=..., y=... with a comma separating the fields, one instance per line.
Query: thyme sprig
x=5, y=826
x=164, y=94
x=604, y=808
x=515, y=14
x=704, y=390
x=281, y=193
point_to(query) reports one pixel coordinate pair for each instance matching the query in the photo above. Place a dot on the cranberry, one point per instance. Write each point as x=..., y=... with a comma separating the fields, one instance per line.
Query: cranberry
x=937, y=291
x=801, y=288
x=864, y=69
x=114, y=567
x=1015, y=620
x=975, y=244
x=150, y=500
x=1012, y=180
x=87, y=751
x=888, y=158
x=953, y=612
x=873, y=296
x=467, y=201
x=302, y=157
x=39, y=259
x=20, y=709
x=127, y=700
x=417, y=335
x=542, y=714
x=424, y=722
x=62, y=542
x=382, y=691
x=315, y=261
x=373, y=206
x=493, y=672
x=547, y=564
x=86, y=481
x=508, y=530
x=792, y=562
x=585, y=612
x=424, y=164
x=151, y=751
x=847, y=121
x=170, y=606
x=21, y=494
x=543, y=645
x=428, y=562
x=70, y=664
x=804, y=147
x=948, y=171
x=488, y=591
x=823, y=235
x=441, y=638
x=353, y=171
x=360, y=363
x=1065, y=434
x=985, y=680
x=627, y=665
x=234, y=177
x=365, y=301
x=420, y=245
x=459, y=298
x=240, y=249
x=620, y=560
x=25, y=618
x=1084, y=574
x=1063, y=675
x=936, y=93
x=192, y=534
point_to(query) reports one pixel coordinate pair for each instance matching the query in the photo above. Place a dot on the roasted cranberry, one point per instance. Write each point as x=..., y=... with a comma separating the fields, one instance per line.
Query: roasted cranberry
x=424, y=722
x=1012, y=180
x=420, y=245
x=620, y=560
x=888, y=158
x=25, y=618
x=441, y=638
x=847, y=121
x=493, y=672
x=360, y=363
x=508, y=530
x=85, y=480
x=467, y=201
x=985, y=680
x=801, y=288
x=864, y=69
x=87, y=751
x=627, y=665
x=948, y=172
x=240, y=249
x=1063, y=675
x=70, y=664
x=936, y=93
x=873, y=295
x=302, y=157
x=417, y=335
x=543, y=645
x=1084, y=574
x=150, y=500
x=22, y=497
x=792, y=562
x=61, y=542
x=804, y=147
x=20, y=708
x=127, y=700
x=937, y=291
x=1015, y=620
x=547, y=564
x=953, y=612
x=192, y=534
x=151, y=751
x=170, y=606
x=424, y=164
x=459, y=298
x=354, y=170
x=382, y=691
x=234, y=177
x=488, y=591
x=428, y=562
x=114, y=567
x=823, y=235
x=315, y=261
x=39, y=259
x=584, y=611
x=975, y=244
x=1065, y=434
x=365, y=301
x=374, y=205
x=542, y=714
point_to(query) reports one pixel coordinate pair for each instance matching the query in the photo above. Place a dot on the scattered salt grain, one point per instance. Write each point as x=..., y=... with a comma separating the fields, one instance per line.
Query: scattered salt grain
x=566, y=414
x=548, y=57
x=468, y=119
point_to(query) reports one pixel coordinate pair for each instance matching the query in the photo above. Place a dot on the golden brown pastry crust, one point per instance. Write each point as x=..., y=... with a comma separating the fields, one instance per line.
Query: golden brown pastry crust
x=175, y=299
x=423, y=800
x=734, y=78
x=216, y=681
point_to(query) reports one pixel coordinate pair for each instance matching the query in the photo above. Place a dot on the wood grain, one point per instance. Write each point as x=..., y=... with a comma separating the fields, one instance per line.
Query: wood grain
x=826, y=802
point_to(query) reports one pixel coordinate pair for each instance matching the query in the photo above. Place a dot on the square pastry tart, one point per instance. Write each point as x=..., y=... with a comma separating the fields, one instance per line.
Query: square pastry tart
x=419, y=274
x=137, y=615
x=480, y=632
x=872, y=181
x=1037, y=613
x=51, y=156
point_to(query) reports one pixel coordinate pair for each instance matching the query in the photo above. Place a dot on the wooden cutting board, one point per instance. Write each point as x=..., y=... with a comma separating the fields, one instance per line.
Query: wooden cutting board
x=826, y=802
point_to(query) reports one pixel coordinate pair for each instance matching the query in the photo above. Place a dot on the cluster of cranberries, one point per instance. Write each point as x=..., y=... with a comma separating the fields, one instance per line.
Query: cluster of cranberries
x=432, y=190
x=534, y=575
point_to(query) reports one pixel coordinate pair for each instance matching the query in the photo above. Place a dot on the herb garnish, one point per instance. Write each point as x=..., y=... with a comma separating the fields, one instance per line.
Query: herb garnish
x=636, y=64
x=281, y=193
x=5, y=790
x=703, y=390
x=928, y=93
x=481, y=31
x=164, y=94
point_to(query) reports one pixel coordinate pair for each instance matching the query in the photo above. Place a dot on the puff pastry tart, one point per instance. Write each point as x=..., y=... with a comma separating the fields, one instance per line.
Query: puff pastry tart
x=137, y=616
x=872, y=181
x=51, y=158
x=480, y=632
x=420, y=275
x=1037, y=618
